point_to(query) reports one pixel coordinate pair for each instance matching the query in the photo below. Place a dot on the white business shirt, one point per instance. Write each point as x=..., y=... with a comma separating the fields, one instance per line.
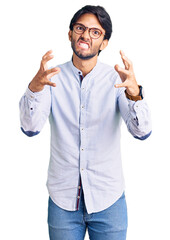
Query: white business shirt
x=85, y=118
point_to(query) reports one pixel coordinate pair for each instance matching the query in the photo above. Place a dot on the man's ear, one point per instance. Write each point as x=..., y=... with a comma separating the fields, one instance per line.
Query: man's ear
x=104, y=44
x=69, y=35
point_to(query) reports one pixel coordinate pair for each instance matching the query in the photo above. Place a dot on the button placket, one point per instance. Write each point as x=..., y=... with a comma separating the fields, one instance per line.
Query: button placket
x=79, y=194
x=82, y=126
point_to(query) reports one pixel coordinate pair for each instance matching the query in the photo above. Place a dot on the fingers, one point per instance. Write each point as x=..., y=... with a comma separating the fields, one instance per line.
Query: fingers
x=50, y=84
x=121, y=70
x=44, y=74
x=52, y=73
x=120, y=85
x=124, y=75
x=49, y=74
x=45, y=59
x=126, y=61
x=46, y=54
x=127, y=75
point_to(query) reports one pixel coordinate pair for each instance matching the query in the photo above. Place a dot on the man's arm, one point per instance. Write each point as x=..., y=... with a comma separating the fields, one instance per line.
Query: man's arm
x=35, y=104
x=133, y=107
x=136, y=115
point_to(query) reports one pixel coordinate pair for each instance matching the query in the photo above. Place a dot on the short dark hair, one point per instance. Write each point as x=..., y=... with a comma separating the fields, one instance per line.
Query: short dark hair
x=100, y=13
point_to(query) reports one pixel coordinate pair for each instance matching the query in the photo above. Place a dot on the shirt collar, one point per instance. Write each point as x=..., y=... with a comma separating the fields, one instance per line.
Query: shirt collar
x=77, y=72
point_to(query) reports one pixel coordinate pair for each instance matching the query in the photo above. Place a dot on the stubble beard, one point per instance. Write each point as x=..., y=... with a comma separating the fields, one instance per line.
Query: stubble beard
x=81, y=55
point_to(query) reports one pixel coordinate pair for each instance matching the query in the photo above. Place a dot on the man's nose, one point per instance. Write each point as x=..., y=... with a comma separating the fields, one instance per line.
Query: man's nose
x=86, y=34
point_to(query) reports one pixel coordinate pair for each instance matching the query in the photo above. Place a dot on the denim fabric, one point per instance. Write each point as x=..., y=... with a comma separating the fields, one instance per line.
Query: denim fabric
x=109, y=224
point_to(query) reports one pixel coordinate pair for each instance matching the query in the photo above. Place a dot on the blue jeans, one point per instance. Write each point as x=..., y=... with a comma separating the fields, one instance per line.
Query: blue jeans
x=109, y=224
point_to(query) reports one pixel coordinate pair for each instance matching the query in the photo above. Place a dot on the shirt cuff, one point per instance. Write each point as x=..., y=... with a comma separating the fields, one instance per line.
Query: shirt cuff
x=136, y=105
x=33, y=95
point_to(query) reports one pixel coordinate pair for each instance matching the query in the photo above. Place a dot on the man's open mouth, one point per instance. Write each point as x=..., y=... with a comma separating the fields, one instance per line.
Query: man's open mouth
x=83, y=45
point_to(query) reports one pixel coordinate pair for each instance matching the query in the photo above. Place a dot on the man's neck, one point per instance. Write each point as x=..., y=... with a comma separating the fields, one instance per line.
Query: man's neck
x=85, y=66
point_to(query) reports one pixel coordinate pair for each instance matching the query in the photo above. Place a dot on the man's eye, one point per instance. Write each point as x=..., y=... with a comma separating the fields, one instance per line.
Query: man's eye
x=96, y=32
x=80, y=28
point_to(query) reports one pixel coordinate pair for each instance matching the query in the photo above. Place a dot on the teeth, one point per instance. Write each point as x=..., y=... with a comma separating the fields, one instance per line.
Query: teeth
x=84, y=45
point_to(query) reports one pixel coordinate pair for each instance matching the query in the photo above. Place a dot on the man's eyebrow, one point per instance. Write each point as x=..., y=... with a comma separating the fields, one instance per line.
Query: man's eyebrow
x=90, y=27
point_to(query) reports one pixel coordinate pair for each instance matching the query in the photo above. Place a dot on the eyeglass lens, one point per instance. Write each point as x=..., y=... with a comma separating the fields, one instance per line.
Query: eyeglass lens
x=80, y=29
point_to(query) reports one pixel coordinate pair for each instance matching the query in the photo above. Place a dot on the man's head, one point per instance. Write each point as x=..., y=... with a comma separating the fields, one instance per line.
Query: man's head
x=90, y=30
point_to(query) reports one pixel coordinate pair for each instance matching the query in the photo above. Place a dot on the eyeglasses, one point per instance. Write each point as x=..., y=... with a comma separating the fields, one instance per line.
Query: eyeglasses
x=93, y=32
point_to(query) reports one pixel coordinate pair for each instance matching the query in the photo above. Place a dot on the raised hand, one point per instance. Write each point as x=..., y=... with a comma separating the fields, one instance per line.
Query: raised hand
x=44, y=74
x=127, y=76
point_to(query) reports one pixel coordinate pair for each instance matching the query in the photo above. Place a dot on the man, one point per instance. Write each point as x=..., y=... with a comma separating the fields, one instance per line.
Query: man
x=85, y=101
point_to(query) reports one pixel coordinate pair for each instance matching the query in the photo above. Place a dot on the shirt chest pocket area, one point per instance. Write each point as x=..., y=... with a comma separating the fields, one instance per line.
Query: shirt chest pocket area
x=100, y=103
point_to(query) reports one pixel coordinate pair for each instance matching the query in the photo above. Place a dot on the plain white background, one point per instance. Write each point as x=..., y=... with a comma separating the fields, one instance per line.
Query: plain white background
x=28, y=30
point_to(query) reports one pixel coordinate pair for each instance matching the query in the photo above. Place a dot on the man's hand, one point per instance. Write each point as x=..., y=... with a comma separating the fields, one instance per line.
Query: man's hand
x=44, y=74
x=127, y=76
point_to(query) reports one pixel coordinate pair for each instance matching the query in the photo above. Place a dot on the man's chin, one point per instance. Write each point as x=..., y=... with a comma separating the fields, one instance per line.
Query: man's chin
x=84, y=56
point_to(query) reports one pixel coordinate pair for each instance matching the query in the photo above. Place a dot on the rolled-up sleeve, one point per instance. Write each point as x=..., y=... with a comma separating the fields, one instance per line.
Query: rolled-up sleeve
x=34, y=110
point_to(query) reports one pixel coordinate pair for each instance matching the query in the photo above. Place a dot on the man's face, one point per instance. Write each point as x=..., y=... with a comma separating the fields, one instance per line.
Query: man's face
x=83, y=45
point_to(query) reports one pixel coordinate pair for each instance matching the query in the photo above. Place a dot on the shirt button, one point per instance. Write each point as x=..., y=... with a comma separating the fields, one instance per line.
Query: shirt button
x=82, y=106
x=82, y=169
x=82, y=149
x=82, y=129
